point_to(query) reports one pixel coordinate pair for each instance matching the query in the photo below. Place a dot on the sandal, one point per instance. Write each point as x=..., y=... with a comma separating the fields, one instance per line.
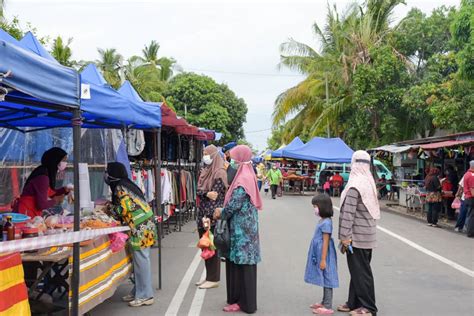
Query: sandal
x=323, y=311
x=232, y=308
x=316, y=306
x=361, y=312
x=343, y=308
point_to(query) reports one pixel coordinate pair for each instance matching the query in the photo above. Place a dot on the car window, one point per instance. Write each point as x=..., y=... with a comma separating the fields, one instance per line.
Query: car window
x=380, y=169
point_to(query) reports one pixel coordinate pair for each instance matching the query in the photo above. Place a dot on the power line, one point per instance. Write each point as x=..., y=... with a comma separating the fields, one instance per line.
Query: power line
x=258, y=131
x=245, y=73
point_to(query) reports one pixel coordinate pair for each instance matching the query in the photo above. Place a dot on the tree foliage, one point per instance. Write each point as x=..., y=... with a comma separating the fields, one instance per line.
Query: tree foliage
x=206, y=103
x=385, y=82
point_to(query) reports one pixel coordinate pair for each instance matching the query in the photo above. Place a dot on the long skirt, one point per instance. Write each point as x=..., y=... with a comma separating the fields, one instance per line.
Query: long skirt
x=241, y=281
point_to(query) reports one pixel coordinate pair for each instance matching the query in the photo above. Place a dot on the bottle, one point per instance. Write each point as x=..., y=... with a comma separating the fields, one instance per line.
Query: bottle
x=8, y=230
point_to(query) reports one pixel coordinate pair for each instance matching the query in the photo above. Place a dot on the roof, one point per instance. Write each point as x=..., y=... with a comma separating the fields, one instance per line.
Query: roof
x=322, y=150
x=448, y=143
x=392, y=148
x=427, y=140
x=294, y=144
x=31, y=42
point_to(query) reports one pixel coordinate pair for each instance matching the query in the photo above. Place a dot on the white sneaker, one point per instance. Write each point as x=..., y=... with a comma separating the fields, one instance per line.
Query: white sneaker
x=128, y=298
x=456, y=229
x=141, y=301
x=209, y=285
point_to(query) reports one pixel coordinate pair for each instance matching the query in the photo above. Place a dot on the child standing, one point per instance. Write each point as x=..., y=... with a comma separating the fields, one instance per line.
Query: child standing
x=321, y=266
x=266, y=186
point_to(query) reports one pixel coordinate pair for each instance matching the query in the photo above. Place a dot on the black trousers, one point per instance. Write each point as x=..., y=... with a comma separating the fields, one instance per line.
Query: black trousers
x=361, y=288
x=213, y=265
x=274, y=188
x=241, y=281
x=433, y=212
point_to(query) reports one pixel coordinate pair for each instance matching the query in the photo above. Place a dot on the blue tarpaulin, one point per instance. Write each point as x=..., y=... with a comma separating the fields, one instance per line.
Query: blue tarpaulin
x=294, y=144
x=108, y=106
x=322, y=150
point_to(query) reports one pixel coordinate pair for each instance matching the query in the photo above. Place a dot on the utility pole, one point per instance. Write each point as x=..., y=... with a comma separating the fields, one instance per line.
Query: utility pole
x=327, y=103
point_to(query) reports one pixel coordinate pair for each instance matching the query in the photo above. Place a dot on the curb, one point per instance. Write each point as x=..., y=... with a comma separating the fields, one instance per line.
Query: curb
x=441, y=222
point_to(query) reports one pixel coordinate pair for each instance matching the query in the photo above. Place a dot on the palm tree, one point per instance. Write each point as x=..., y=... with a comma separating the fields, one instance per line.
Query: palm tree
x=166, y=68
x=150, y=53
x=164, y=65
x=346, y=41
x=62, y=52
x=110, y=63
x=2, y=9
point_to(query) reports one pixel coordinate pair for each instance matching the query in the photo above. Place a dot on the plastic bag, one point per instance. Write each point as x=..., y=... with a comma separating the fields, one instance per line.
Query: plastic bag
x=205, y=241
x=456, y=203
x=117, y=241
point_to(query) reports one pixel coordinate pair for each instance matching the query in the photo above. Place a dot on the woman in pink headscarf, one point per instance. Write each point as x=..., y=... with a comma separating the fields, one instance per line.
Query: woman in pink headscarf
x=357, y=232
x=241, y=206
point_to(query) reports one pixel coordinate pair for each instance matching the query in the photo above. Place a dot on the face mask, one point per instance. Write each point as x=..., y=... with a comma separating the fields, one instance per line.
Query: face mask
x=233, y=164
x=207, y=159
x=62, y=166
x=316, y=211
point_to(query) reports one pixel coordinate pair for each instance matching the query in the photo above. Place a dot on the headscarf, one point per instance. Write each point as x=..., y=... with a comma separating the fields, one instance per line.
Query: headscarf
x=49, y=166
x=118, y=175
x=245, y=176
x=431, y=177
x=362, y=180
x=212, y=172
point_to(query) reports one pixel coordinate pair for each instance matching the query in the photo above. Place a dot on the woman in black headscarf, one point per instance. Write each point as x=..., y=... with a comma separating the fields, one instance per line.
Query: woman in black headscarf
x=130, y=206
x=39, y=192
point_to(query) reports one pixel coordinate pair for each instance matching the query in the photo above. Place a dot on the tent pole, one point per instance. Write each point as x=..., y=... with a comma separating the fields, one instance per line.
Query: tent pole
x=158, y=197
x=76, y=132
x=179, y=182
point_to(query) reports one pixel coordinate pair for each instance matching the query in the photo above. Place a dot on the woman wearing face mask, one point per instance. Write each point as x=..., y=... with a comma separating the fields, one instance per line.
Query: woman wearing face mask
x=39, y=192
x=211, y=189
x=130, y=206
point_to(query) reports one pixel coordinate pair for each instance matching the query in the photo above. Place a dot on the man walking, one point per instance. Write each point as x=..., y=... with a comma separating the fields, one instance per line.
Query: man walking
x=275, y=177
x=469, y=198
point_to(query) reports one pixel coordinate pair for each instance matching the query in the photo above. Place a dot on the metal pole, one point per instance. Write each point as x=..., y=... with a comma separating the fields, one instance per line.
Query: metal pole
x=327, y=103
x=75, y=278
x=158, y=197
x=179, y=182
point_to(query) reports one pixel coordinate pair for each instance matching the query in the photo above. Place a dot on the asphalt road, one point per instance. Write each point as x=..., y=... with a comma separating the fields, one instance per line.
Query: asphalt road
x=418, y=270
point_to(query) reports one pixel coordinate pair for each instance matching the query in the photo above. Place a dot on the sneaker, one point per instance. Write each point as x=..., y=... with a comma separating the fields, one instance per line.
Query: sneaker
x=323, y=311
x=209, y=285
x=141, y=302
x=128, y=298
x=457, y=230
x=429, y=224
x=435, y=225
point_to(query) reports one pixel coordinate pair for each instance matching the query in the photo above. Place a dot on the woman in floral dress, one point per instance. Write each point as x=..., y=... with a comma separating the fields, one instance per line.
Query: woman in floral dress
x=130, y=206
x=241, y=206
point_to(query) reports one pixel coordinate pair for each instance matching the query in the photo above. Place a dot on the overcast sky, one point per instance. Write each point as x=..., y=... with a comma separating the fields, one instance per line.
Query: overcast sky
x=235, y=42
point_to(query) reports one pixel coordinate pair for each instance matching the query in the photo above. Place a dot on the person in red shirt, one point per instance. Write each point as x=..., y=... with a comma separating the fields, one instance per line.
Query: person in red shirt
x=469, y=198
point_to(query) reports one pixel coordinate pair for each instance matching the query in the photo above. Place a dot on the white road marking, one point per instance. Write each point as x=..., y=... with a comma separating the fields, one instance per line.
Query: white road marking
x=425, y=251
x=178, y=297
x=198, y=299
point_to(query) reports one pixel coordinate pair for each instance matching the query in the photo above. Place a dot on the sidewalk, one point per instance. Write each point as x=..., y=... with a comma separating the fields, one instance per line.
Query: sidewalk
x=393, y=207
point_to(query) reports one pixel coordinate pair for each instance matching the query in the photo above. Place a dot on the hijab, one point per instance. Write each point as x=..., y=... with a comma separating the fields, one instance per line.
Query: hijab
x=216, y=170
x=245, y=176
x=49, y=166
x=362, y=180
x=431, y=178
x=117, y=175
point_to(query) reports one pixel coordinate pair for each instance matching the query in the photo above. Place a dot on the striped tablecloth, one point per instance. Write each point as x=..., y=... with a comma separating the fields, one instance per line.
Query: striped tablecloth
x=102, y=271
x=13, y=292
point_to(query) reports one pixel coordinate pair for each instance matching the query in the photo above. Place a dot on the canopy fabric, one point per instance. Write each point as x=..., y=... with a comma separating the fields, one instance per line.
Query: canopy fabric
x=37, y=77
x=107, y=106
x=31, y=42
x=322, y=150
x=294, y=144
x=4, y=36
x=393, y=148
x=448, y=143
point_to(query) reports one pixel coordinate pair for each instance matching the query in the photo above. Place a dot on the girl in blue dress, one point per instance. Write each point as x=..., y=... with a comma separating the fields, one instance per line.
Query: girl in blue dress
x=321, y=265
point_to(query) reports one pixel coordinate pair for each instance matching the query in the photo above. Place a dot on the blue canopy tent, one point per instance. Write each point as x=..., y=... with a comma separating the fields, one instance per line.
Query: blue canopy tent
x=294, y=144
x=322, y=150
x=30, y=42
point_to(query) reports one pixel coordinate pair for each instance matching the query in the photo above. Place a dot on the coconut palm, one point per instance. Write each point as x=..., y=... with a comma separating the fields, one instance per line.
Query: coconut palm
x=150, y=53
x=346, y=41
x=110, y=63
x=62, y=52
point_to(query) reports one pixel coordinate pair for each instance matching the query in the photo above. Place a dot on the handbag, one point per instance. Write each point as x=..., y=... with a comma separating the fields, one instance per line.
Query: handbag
x=433, y=197
x=207, y=254
x=222, y=237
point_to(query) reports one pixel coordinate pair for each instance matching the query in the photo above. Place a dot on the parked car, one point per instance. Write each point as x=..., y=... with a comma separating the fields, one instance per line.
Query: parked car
x=345, y=169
